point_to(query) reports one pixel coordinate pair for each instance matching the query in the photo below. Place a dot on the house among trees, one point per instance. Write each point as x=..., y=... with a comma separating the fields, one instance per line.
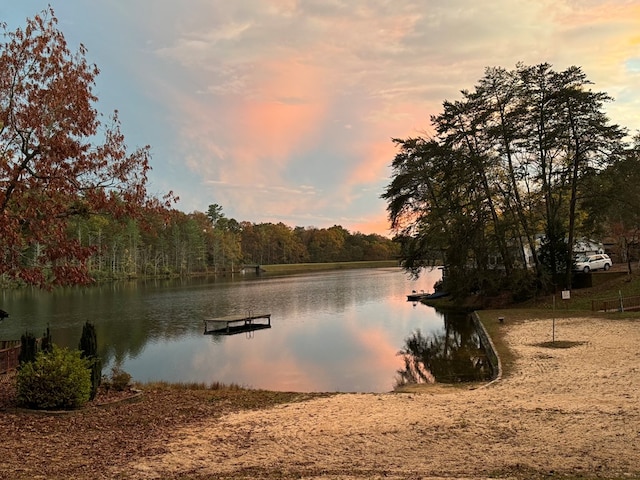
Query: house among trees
x=587, y=247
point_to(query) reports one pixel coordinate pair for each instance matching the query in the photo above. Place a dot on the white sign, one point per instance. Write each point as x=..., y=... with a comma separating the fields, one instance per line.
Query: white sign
x=566, y=294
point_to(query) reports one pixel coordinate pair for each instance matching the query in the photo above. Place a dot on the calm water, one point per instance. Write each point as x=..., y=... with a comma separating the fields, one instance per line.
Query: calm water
x=331, y=331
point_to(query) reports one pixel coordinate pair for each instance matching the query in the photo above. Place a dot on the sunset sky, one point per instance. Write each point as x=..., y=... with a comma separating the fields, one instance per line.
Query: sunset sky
x=284, y=110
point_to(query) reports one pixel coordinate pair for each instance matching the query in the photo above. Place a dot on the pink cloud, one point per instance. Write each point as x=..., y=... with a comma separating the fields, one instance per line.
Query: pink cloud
x=280, y=118
x=277, y=80
x=376, y=150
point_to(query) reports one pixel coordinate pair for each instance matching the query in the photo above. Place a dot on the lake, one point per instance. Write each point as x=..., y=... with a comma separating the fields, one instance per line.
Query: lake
x=338, y=330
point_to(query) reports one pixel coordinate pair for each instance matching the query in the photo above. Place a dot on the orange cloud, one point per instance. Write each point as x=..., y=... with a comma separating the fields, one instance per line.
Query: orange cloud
x=378, y=224
x=377, y=151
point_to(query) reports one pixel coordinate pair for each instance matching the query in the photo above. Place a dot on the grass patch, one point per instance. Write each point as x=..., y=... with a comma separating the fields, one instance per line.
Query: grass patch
x=435, y=388
x=162, y=385
x=497, y=332
x=544, y=307
x=309, y=267
x=609, y=286
x=229, y=397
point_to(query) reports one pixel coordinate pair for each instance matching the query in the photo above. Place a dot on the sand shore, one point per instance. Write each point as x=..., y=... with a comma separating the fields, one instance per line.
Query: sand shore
x=564, y=411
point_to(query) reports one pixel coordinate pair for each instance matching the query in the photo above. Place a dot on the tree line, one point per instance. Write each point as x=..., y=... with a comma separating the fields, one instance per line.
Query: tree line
x=516, y=171
x=176, y=243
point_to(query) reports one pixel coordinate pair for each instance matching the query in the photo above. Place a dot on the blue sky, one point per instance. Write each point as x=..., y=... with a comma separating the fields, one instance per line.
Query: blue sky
x=284, y=110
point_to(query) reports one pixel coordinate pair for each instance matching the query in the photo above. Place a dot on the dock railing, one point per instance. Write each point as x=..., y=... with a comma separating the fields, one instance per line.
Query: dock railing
x=9, y=354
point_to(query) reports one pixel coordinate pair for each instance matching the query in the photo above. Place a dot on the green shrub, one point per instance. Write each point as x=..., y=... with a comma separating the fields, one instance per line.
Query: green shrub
x=119, y=380
x=59, y=379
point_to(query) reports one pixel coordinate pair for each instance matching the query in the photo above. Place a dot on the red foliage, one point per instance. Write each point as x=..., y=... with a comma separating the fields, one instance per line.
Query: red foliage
x=51, y=165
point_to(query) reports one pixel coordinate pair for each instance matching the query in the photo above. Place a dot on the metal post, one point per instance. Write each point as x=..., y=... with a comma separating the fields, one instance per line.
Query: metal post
x=553, y=328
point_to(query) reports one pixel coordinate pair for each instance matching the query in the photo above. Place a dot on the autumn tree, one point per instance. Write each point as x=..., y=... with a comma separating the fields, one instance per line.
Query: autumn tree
x=58, y=159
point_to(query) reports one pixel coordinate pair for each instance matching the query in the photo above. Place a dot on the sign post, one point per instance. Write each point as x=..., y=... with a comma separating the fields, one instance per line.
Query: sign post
x=566, y=295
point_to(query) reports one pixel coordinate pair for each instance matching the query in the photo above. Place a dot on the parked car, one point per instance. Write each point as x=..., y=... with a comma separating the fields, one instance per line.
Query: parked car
x=587, y=263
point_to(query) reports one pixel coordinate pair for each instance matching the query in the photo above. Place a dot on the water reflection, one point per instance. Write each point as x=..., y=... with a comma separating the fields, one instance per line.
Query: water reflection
x=453, y=354
x=331, y=331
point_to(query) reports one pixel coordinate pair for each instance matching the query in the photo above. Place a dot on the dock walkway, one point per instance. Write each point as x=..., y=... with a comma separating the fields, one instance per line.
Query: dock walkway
x=233, y=324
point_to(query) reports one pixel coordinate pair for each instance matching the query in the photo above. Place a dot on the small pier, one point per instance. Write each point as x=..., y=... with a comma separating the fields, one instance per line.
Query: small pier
x=232, y=325
x=415, y=296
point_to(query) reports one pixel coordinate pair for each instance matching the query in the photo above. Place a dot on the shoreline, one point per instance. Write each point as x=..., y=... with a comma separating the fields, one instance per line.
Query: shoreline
x=562, y=411
x=557, y=413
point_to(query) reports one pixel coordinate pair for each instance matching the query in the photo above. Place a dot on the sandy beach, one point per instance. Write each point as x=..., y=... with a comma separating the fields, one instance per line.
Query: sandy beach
x=564, y=411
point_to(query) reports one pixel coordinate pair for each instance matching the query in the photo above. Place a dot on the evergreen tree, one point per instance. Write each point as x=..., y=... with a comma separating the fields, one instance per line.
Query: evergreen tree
x=47, y=342
x=89, y=349
x=28, y=348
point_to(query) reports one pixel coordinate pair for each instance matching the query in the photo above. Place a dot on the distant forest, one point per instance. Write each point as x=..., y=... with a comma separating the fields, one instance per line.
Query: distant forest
x=172, y=242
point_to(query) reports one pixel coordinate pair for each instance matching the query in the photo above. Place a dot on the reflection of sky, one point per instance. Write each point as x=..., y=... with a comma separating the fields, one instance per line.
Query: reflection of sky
x=331, y=331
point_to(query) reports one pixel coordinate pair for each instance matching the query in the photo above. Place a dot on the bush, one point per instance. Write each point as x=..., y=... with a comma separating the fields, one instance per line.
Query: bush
x=119, y=380
x=59, y=379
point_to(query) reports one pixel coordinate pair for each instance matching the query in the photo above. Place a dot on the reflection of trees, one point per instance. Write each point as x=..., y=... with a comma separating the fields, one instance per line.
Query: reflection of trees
x=449, y=356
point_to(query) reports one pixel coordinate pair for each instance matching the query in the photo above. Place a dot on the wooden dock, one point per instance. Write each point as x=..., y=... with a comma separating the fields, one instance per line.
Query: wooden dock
x=232, y=325
x=415, y=296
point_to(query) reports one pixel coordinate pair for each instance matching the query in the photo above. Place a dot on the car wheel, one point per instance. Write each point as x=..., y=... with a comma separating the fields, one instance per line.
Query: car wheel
x=586, y=269
x=606, y=267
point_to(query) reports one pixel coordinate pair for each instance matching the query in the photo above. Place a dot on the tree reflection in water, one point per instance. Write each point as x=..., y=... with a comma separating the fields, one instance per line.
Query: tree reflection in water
x=452, y=355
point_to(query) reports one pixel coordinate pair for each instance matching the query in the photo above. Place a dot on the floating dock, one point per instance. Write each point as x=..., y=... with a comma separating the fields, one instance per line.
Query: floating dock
x=416, y=297
x=237, y=324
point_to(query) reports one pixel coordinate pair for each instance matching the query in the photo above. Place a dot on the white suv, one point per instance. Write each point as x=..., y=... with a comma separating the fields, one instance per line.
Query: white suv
x=587, y=263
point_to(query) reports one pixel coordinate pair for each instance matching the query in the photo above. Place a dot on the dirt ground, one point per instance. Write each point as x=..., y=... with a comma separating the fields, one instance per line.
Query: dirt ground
x=562, y=413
